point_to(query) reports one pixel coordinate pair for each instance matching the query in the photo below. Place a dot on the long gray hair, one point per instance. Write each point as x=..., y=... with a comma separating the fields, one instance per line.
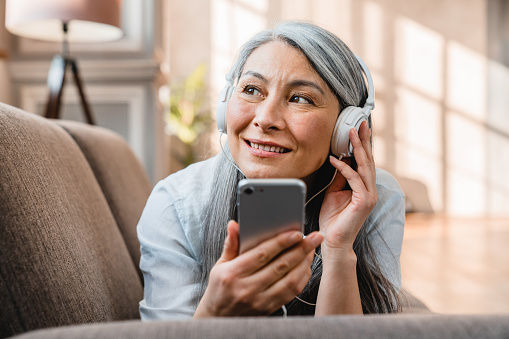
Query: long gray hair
x=337, y=65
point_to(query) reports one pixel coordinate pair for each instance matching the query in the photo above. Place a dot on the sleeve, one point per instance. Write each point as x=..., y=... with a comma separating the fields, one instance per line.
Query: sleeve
x=387, y=228
x=168, y=260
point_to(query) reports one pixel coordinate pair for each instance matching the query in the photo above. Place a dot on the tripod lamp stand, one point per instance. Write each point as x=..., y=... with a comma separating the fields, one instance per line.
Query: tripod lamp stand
x=65, y=21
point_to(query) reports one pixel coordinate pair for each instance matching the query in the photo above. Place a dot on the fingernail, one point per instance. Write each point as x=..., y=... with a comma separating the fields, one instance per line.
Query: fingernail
x=316, y=239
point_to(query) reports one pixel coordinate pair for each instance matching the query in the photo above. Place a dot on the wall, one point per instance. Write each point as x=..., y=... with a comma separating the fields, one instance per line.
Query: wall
x=440, y=70
x=440, y=115
x=496, y=121
x=121, y=81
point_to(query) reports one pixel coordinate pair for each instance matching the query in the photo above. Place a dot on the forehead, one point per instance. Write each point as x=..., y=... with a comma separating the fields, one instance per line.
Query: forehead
x=277, y=58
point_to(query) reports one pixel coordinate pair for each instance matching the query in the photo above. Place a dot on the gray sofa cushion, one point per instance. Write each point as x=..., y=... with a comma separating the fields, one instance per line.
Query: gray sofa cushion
x=392, y=326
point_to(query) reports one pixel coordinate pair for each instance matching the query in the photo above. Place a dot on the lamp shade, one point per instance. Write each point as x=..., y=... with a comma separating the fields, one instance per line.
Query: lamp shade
x=87, y=20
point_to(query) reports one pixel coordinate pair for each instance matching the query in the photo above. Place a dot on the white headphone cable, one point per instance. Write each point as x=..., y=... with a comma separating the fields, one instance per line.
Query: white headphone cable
x=330, y=183
x=327, y=186
x=228, y=157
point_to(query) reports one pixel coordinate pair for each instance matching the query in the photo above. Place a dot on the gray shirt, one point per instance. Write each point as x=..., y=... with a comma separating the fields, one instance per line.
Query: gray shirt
x=171, y=233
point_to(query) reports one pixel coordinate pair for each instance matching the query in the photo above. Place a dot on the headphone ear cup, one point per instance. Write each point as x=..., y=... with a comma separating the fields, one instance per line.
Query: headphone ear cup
x=349, y=118
x=222, y=105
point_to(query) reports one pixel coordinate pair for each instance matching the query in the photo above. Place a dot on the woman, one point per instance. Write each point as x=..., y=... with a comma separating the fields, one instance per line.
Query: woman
x=291, y=83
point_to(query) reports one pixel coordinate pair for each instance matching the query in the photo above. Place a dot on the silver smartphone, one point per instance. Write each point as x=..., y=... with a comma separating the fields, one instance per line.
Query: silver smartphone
x=267, y=207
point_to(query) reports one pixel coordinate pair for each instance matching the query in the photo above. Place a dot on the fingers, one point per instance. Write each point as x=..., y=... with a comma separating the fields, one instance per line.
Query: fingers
x=291, y=285
x=353, y=178
x=361, y=143
x=288, y=274
x=231, y=243
x=339, y=182
x=272, y=285
x=365, y=136
x=259, y=256
x=280, y=268
x=298, y=258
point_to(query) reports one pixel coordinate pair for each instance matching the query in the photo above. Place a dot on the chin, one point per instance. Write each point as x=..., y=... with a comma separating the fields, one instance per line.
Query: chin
x=264, y=173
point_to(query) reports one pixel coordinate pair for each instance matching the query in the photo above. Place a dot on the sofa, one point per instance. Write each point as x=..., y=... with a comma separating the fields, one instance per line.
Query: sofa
x=71, y=195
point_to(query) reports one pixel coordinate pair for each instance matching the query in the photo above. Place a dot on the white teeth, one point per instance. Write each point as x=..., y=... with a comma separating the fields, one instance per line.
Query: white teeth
x=266, y=148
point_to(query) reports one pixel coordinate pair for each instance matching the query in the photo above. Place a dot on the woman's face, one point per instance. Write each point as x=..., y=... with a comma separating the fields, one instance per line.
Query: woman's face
x=281, y=116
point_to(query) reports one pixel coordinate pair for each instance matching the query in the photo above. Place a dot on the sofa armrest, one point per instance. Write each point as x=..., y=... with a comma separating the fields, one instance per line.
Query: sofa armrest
x=371, y=326
x=63, y=260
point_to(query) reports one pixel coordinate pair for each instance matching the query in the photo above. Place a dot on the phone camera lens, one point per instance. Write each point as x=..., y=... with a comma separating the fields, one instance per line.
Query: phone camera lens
x=249, y=190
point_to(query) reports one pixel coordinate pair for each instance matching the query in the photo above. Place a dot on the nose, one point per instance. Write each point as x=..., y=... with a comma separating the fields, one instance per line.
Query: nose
x=269, y=115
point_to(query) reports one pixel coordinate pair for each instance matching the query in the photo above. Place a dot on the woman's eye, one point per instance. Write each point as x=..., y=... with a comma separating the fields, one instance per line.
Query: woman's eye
x=251, y=91
x=300, y=100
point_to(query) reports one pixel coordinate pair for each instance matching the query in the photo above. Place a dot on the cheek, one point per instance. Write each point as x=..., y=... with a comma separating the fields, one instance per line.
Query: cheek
x=237, y=115
x=316, y=134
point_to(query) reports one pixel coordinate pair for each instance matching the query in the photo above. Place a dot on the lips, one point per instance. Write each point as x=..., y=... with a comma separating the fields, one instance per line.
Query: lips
x=267, y=147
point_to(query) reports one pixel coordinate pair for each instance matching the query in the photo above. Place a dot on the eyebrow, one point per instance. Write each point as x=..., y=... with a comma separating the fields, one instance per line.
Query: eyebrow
x=295, y=83
x=298, y=83
x=255, y=74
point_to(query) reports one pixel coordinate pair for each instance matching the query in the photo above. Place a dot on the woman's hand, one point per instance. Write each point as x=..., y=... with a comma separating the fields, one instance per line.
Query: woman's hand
x=261, y=280
x=344, y=212
x=342, y=215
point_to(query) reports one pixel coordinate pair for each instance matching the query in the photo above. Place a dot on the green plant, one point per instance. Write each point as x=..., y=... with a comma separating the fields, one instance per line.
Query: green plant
x=188, y=116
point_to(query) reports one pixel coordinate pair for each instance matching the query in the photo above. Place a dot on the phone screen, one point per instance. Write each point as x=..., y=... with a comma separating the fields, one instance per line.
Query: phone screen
x=267, y=207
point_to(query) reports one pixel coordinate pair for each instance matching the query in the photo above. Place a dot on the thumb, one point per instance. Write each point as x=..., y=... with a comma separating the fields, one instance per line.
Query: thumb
x=231, y=243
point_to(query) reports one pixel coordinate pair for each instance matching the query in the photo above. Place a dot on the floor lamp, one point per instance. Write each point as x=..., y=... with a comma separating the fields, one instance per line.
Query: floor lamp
x=65, y=21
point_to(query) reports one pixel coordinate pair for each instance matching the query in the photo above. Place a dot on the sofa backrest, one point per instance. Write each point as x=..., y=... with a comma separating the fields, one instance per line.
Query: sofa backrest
x=121, y=177
x=63, y=259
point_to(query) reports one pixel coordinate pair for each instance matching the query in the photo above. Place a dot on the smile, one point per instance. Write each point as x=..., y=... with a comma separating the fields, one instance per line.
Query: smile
x=268, y=148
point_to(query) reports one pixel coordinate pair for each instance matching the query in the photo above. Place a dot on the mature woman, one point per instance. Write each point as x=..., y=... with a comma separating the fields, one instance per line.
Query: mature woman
x=291, y=84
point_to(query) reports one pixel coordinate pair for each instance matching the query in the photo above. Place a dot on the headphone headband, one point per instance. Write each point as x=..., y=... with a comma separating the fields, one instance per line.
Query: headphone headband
x=370, y=101
x=352, y=117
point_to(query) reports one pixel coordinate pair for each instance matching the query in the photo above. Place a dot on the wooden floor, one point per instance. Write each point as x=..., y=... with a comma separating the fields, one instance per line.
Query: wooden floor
x=457, y=265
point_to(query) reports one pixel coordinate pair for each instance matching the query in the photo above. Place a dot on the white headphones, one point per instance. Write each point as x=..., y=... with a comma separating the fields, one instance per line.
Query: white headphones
x=350, y=117
x=222, y=104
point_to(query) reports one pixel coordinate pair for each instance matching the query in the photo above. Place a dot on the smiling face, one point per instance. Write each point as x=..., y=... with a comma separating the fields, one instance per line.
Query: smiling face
x=281, y=116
